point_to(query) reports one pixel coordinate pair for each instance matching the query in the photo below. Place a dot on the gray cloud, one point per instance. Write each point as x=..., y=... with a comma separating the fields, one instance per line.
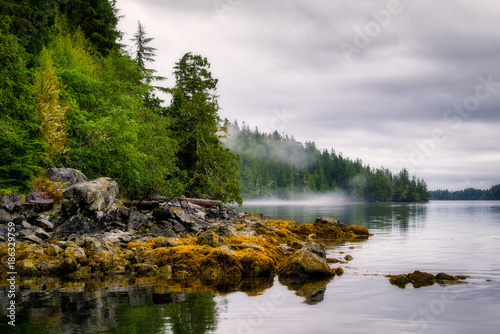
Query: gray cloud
x=281, y=67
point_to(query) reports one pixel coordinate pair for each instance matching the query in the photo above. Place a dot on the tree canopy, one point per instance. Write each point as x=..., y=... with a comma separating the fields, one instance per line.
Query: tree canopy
x=73, y=97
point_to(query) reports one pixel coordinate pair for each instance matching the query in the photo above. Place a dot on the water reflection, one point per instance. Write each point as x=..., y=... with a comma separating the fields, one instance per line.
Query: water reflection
x=371, y=215
x=120, y=305
x=312, y=290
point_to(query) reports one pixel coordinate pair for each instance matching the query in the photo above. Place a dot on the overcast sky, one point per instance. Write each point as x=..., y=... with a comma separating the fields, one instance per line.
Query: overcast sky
x=412, y=84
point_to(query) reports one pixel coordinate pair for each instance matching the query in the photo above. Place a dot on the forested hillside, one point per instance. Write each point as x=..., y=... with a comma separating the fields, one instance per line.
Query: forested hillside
x=467, y=194
x=276, y=165
x=71, y=96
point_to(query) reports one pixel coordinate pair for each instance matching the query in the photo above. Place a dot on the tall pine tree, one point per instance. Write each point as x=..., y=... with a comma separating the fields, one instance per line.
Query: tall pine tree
x=209, y=168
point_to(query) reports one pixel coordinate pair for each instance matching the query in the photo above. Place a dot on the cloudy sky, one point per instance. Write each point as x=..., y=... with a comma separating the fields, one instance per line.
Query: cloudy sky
x=412, y=84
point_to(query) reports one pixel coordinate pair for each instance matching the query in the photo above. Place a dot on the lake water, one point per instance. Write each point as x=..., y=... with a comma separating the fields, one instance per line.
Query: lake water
x=455, y=237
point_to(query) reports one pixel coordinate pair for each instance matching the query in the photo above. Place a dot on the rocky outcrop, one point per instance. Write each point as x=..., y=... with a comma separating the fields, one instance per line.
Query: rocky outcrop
x=94, y=235
x=95, y=195
x=66, y=176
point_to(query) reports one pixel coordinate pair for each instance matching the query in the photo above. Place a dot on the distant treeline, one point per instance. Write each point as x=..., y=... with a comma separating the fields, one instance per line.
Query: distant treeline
x=276, y=165
x=467, y=194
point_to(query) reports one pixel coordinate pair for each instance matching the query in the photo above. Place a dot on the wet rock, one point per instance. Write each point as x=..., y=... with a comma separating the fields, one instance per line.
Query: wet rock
x=144, y=269
x=66, y=176
x=329, y=221
x=53, y=250
x=95, y=195
x=75, y=252
x=27, y=267
x=445, y=277
x=348, y=257
x=316, y=249
x=211, y=239
x=419, y=279
x=355, y=231
x=304, y=264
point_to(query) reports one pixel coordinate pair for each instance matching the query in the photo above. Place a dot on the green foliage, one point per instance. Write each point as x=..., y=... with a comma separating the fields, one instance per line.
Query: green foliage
x=274, y=165
x=210, y=168
x=98, y=20
x=20, y=146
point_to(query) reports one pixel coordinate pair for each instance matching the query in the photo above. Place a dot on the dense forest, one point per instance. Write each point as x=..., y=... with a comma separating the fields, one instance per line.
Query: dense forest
x=467, y=194
x=71, y=96
x=276, y=165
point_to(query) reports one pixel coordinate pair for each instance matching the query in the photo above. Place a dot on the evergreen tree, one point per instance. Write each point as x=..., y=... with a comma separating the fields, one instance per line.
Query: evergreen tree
x=209, y=168
x=145, y=54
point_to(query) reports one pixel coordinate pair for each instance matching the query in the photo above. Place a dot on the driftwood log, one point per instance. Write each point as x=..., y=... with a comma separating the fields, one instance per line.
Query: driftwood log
x=206, y=203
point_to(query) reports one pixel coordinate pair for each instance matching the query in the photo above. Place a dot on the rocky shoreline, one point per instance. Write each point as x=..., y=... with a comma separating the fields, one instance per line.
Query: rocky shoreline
x=91, y=233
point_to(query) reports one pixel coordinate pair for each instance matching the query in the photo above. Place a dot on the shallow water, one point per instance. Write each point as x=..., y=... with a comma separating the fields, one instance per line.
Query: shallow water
x=443, y=236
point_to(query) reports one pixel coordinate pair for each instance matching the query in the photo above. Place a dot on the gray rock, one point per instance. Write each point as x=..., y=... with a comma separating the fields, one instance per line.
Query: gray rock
x=316, y=249
x=67, y=176
x=178, y=227
x=33, y=238
x=5, y=216
x=40, y=232
x=95, y=195
x=118, y=236
x=10, y=201
x=303, y=265
x=163, y=213
x=43, y=222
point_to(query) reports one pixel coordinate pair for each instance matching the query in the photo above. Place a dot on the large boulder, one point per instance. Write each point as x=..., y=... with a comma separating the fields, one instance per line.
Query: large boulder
x=95, y=195
x=10, y=201
x=66, y=176
x=307, y=263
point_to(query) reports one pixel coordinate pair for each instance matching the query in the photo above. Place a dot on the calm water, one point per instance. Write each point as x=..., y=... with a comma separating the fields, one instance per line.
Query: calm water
x=444, y=236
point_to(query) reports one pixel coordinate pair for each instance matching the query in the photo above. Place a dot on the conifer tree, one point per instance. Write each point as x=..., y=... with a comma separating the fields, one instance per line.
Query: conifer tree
x=210, y=168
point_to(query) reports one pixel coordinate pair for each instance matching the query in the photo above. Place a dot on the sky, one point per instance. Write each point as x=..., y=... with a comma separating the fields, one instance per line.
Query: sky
x=396, y=83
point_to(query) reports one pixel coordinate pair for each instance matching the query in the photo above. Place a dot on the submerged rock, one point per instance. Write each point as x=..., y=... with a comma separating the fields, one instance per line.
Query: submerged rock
x=419, y=279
